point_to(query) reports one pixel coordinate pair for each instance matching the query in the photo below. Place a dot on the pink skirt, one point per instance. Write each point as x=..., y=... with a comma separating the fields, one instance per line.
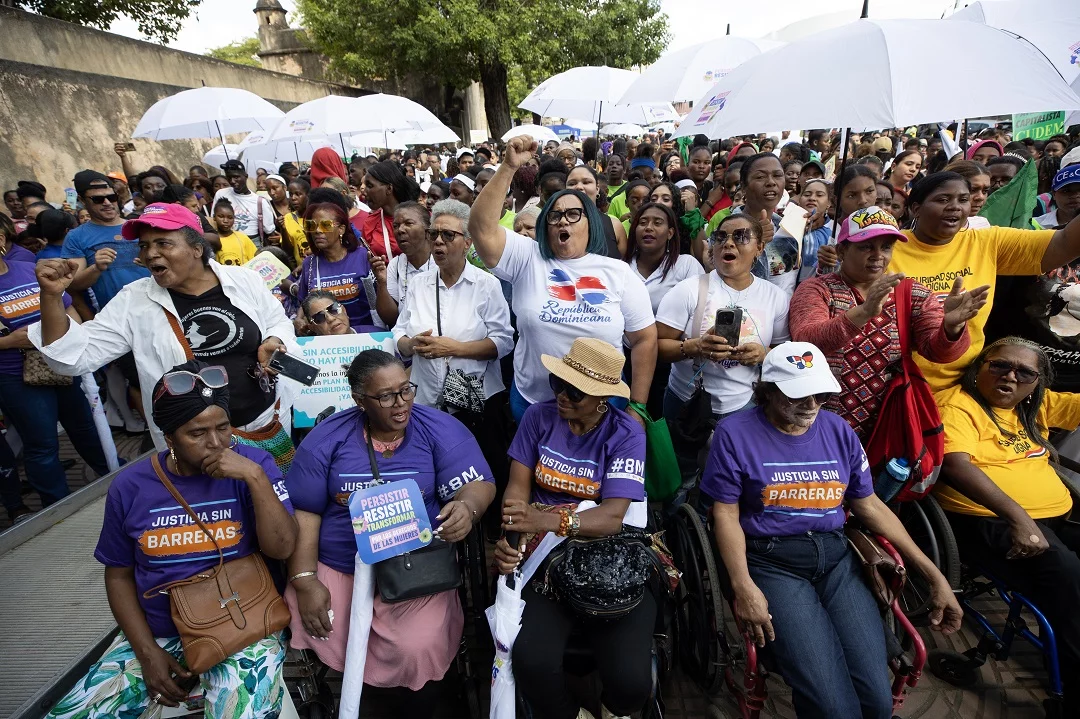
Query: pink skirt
x=411, y=642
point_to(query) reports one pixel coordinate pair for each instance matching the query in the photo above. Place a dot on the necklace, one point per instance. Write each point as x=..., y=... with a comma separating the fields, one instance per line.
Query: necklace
x=389, y=447
x=738, y=293
x=590, y=429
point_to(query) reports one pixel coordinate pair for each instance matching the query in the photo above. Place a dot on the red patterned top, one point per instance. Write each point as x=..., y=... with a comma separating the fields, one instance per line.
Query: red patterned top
x=864, y=358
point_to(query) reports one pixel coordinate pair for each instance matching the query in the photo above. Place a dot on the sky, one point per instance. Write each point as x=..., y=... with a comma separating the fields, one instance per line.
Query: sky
x=219, y=22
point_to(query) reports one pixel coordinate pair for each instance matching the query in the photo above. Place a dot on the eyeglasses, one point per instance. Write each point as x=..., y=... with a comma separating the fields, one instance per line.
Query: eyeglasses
x=447, y=236
x=572, y=215
x=323, y=315
x=100, y=199
x=741, y=236
x=559, y=385
x=1024, y=375
x=820, y=398
x=323, y=226
x=389, y=399
x=181, y=381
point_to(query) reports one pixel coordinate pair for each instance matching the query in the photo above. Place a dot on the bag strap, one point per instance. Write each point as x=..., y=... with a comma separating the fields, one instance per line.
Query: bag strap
x=180, y=337
x=902, y=299
x=371, y=454
x=699, y=310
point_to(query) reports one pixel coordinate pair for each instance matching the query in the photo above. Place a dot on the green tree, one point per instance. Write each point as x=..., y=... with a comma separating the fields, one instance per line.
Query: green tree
x=159, y=20
x=460, y=41
x=242, y=52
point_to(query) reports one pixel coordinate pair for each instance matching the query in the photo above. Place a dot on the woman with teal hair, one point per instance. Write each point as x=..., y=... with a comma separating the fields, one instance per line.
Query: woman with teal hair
x=564, y=285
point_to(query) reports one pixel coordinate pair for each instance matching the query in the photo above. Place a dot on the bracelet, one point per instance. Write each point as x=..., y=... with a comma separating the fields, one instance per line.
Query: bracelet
x=564, y=523
x=467, y=506
x=300, y=575
x=575, y=524
x=682, y=350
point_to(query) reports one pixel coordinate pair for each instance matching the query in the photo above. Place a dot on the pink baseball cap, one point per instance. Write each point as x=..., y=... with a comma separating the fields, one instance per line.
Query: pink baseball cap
x=162, y=216
x=869, y=222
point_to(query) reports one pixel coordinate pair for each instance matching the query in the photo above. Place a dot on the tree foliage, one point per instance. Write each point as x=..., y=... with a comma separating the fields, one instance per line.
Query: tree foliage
x=242, y=52
x=159, y=20
x=460, y=41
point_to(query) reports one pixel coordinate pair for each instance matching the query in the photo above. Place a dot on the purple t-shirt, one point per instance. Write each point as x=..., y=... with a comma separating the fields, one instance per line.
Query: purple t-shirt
x=607, y=462
x=784, y=484
x=145, y=528
x=20, y=254
x=20, y=306
x=345, y=279
x=332, y=462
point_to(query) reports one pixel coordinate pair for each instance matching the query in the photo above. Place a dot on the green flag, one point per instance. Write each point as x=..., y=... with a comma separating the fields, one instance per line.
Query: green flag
x=1012, y=205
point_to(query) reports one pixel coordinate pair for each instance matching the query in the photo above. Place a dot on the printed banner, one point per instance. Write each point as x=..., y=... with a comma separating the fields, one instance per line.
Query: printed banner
x=270, y=269
x=1038, y=125
x=388, y=520
x=331, y=388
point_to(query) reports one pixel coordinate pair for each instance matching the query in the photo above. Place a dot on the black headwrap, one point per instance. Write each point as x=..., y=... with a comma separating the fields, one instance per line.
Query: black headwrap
x=171, y=412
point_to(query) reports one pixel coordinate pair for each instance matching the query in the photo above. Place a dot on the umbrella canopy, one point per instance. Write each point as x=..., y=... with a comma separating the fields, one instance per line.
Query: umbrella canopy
x=333, y=117
x=895, y=82
x=623, y=128
x=688, y=74
x=207, y=112
x=255, y=148
x=220, y=154
x=540, y=133
x=401, y=139
x=593, y=93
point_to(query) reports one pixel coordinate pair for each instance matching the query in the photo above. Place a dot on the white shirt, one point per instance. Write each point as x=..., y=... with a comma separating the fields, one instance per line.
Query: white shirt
x=1049, y=221
x=399, y=273
x=473, y=309
x=658, y=285
x=765, y=321
x=556, y=301
x=246, y=210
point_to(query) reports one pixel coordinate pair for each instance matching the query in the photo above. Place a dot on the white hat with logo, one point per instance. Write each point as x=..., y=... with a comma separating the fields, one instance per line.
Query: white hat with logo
x=799, y=369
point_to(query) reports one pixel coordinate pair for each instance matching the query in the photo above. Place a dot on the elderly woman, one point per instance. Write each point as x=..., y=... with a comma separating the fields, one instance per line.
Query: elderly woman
x=577, y=447
x=324, y=315
x=1006, y=504
x=385, y=185
x=454, y=318
x=412, y=643
x=411, y=222
x=147, y=541
x=190, y=307
x=780, y=476
x=564, y=286
x=525, y=222
x=850, y=315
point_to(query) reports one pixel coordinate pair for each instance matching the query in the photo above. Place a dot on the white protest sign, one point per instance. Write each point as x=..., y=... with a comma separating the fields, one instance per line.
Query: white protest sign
x=270, y=269
x=331, y=387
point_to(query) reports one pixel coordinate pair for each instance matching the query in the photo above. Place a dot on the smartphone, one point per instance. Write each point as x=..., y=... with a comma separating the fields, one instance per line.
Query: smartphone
x=129, y=147
x=728, y=324
x=285, y=364
x=70, y=196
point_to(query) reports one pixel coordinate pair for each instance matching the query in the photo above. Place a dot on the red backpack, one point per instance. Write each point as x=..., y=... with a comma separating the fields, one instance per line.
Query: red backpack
x=908, y=424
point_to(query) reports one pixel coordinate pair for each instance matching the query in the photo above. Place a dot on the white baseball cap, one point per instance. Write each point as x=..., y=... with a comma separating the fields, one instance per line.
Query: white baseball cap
x=799, y=369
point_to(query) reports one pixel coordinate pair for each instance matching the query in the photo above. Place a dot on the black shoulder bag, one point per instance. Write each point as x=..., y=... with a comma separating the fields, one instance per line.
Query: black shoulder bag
x=460, y=391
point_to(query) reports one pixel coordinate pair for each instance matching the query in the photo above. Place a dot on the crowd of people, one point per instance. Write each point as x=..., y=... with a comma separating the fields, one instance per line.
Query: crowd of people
x=546, y=303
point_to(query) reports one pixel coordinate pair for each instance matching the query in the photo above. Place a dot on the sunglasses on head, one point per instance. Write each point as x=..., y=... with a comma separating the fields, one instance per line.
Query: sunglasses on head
x=999, y=368
x=323, y=315
x=100, y=199
x=559, y=385
x=741, y=236
x=574, y=214
x=181, y=381
x=323, y=226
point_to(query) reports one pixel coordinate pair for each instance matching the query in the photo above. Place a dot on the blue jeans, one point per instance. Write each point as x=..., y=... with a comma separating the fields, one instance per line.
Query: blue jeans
x=34, y=411
x=10, y=486
x=830, y=641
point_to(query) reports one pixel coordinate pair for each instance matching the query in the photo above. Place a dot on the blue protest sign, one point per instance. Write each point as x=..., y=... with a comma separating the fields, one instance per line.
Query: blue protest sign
x=388, y=520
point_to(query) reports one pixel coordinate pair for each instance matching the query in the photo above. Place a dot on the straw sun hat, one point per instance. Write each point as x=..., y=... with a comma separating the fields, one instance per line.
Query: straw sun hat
x=593, y=366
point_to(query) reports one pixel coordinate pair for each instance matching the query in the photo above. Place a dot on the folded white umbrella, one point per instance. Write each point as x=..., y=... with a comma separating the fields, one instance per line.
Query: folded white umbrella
x=504, y=620
x=207, y=112
x=220, y=154
x=623, y=128
x=884, y=77
x=687, y=74
x=540, y=133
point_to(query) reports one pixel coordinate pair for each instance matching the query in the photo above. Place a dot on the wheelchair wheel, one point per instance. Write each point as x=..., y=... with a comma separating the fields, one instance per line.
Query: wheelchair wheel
x=927, y=524
x=699, y=605
x=953, y=667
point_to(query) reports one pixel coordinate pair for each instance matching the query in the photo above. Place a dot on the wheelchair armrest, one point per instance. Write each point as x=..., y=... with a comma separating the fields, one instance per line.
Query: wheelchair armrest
x=890, y=549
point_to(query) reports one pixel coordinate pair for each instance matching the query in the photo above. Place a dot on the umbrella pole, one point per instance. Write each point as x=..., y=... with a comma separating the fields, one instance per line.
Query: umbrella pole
x=599, y=118
x=839, y=173
x=967, y=140
x=342, y=141
x=222, y=140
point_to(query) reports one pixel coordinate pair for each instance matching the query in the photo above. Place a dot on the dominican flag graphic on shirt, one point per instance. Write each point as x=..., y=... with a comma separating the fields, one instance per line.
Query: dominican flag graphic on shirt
x=588, y=289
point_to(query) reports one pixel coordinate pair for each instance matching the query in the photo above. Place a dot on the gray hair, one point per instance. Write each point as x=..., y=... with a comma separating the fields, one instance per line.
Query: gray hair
x=533, y=211
x=452, y=208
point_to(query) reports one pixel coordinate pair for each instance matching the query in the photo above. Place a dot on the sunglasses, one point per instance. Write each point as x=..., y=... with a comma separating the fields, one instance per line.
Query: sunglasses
x=741, y=236
x=100, y=199
x=447, y=236
x=323, y=315
x=559, y=385
x=323, y=226
x=574, y=214
x=1024, y=375
x=182, y=381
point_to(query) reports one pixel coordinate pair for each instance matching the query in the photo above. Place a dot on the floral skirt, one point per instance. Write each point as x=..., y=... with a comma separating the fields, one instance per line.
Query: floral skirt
x=247, y=685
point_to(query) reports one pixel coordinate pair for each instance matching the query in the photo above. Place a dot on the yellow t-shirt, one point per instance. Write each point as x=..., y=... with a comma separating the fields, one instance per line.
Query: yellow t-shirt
x=295, y=237
x=236, y=249
x=1016, y=464
x=978, y=256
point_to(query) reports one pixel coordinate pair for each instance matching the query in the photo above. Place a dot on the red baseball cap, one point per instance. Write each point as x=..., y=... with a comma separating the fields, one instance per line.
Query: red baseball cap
x=161, y=216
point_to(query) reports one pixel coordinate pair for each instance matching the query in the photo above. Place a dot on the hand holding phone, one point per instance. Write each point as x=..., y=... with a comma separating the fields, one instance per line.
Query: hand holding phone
x=285, y=364
x=729, y=324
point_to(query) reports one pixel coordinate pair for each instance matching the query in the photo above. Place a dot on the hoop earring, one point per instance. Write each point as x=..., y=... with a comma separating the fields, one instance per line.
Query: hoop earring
x=602, y=408
x=234, y=441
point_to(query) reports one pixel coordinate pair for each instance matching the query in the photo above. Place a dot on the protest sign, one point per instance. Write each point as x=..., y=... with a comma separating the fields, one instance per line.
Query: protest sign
x=1039, y=126
x=389, y=519
x=270, y=269
x=331, y=387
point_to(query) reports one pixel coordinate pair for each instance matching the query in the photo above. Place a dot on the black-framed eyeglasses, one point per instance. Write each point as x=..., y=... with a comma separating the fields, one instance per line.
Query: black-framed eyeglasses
x=741, y=236
x=181, y=381
x=559, y=385
x=1000, y=368
x=447, y=236
x=574, y=214
x=100, y=199
x=334, y=308
x=820, y=398
x=389, y=399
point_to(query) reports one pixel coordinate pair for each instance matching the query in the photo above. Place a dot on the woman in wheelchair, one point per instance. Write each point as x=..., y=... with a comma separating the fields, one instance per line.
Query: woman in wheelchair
x=572, y=448
x=411, y=643
x=1006, y=504
x=779, y=476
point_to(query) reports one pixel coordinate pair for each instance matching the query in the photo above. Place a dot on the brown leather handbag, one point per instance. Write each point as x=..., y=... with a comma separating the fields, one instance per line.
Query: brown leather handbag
x=220, y=611
x=884, y=572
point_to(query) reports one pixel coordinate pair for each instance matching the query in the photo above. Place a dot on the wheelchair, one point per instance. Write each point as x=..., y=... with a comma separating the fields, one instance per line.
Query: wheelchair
x=716, y=653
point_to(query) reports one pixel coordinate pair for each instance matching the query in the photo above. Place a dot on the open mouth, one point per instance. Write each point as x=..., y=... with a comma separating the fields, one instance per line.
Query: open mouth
x=564, y=235
x=400, y=417
x=770, y=195
x=1004, y=389
x=158, y=269
x=729, y=256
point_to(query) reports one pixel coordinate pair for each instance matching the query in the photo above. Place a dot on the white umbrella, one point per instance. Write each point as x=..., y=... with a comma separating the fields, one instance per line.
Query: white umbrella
x=400, y=139
x=623, y=128
x=540, y=133
x=256, y=148
x=688, y=74
x=504, y=620
x=894, y=83
x=207, y=112
x=593, y=93
x=219, y=154
x=334, y=117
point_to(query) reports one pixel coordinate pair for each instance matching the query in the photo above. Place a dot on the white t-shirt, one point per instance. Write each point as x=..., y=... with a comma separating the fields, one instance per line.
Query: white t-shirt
x=557, y=301
x=399, y=272
x=765, y=321
x=246, y=210
x=658, y=285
